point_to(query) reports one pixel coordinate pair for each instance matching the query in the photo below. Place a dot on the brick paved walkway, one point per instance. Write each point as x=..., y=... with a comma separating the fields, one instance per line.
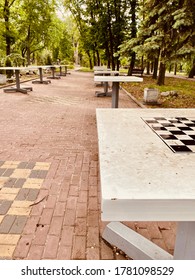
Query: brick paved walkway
x=49, y=177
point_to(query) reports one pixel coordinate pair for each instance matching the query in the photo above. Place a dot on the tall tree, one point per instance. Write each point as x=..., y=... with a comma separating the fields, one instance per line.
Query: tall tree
x=35, y=18
x=6, y=8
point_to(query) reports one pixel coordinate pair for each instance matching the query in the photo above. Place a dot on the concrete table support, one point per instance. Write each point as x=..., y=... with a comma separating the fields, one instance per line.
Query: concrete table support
x=41, y=80
x=17, y=75
x=53, y=73
x=105, y=84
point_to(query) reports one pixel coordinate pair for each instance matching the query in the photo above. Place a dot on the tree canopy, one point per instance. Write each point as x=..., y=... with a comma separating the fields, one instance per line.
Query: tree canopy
x=151, y=34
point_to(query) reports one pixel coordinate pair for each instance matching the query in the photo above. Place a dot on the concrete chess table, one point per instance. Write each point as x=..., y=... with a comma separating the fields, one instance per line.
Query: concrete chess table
x=115, y=85
x=144, y=177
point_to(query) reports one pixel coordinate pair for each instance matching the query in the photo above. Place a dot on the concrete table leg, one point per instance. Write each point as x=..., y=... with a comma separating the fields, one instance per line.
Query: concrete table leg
x=41, y=81
x=133, y=244
x=115, y=94
x=185, y=241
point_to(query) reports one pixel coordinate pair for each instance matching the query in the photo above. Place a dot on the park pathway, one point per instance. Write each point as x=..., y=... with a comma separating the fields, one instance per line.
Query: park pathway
x=49, y=175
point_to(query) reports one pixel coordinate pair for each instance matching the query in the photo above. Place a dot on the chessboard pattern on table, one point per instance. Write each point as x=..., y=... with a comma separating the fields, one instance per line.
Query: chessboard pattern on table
x=20, y=183
x=178, y=133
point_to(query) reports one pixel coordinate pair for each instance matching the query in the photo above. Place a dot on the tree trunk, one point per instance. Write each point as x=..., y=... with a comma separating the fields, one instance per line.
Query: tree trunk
x=98, y=57
x=175, y=69
x=192, y=71
x=148, y=68
x=161, y=75
x=132, y=63
x=133, y=4
x=155, y=69
x=7, y=28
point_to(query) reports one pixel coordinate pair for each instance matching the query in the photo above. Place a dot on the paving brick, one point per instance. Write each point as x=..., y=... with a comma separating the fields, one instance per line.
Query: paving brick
x=19, y=211
x=6, y=251
x=59, y=209
x=93, y=237
x=51, y=247
x=79, y=248
x=40, y=235
x=8, y=172
x=81, y=210
x=22, y=194
x=23, y=246
x=19, y=183
x=106, y=252
x=51, y=201
x=56, y=226
x=18, y=225
x=7, y=196
x=81, y=226
x=93, y=203
x=93, y=254
x=69, y=217
x=46, y=216
x=9, y=239
x=74, y=190
x=35, y=252
x=92, y=218
x=71, y=202
x=9, y=183
x=31, y=225
x=169, y=239
x=7, y=223
x=64, y=253
x=67, y=236
x=4, y=206
x=33, y=194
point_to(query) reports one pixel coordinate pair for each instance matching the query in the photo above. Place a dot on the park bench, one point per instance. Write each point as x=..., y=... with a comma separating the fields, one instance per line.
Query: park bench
x=138, y=71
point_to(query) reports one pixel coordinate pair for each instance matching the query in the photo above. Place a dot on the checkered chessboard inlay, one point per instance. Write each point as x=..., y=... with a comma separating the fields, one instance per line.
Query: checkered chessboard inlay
x=177, y=133
x=20, y=183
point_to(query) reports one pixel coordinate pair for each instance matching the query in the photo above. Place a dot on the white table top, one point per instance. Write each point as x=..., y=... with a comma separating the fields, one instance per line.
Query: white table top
x=102, y=72
x=13, y=68
x=142, y=179
x=117, y=79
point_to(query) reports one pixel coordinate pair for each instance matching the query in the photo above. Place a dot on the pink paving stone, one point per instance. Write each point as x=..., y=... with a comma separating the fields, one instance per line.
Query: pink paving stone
x=51, y=201
x=71, y=202
x=46, y=216
x=51, y=247
x=64, y=253
x=23, y=246
x=106, y=252
x=31, y=225
x=81, y=210
x=93, y=237
x=56, y=226
x=92, y=219
x=81, y=226
x=63, y=195
x=35, y=252
x=83, y=196
x=69, y=217
x=93, y=203
x=93, y=254
x=67, y=236
x=59, y=209
x=41, y=234
x=79, y=248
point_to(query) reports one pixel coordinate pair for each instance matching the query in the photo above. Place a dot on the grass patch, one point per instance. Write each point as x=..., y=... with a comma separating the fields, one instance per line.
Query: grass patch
x=85, y=69
x=185, y=92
